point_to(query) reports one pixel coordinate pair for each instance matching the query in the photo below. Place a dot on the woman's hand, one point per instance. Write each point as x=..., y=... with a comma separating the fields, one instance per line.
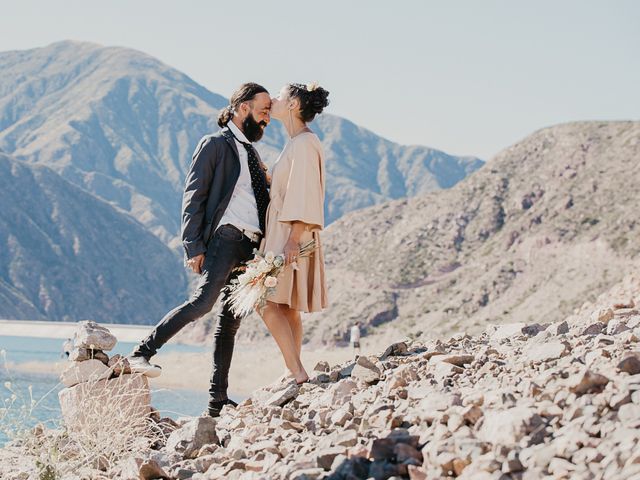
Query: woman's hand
x=292, y=247
x=265, y=169
x=291, y=251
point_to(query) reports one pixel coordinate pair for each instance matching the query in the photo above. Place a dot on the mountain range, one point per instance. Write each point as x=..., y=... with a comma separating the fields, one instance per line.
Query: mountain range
x=123, y=125
x=120, y=126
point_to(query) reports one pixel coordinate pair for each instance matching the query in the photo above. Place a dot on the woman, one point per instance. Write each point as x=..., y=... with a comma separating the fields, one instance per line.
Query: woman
x=295, y=216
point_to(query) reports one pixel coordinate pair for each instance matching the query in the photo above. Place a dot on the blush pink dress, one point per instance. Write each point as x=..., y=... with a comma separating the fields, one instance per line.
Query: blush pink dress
x=297, y=194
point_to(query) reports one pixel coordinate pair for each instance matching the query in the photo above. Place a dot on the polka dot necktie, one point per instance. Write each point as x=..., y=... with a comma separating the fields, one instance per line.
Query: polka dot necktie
x=258, y=183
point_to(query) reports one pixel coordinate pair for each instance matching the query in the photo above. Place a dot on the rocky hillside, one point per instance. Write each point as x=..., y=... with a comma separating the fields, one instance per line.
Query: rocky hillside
x=518, y=401
x=548, y=223
x=62, y=251
x=123, y=126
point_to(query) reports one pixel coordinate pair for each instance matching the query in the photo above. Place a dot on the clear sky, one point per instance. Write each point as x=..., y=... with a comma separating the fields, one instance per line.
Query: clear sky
x=467, y=77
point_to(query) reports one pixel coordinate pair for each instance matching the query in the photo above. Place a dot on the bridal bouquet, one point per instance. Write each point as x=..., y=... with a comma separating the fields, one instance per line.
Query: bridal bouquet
x=259, y=279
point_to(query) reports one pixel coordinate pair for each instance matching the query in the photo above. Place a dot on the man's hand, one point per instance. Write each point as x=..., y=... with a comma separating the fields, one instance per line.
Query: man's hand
x=196, y=263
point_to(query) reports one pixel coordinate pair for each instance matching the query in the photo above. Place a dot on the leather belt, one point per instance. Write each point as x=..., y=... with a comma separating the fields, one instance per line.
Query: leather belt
x=253, y=236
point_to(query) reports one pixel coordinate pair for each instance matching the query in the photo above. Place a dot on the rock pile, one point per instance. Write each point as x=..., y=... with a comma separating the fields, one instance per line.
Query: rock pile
x=94, y=382
x=520, y=401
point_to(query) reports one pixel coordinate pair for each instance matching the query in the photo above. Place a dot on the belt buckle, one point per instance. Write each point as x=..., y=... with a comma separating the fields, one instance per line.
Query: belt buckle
x=254, y=237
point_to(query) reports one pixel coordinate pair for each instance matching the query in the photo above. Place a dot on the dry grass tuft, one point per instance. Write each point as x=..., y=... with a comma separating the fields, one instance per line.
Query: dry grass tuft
x=110, y=421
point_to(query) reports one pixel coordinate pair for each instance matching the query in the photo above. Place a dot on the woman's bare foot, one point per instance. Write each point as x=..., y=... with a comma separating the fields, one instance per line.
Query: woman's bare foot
x=301, y=377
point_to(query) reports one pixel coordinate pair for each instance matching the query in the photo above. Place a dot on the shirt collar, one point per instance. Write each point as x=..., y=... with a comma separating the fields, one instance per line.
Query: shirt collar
x=237, y=132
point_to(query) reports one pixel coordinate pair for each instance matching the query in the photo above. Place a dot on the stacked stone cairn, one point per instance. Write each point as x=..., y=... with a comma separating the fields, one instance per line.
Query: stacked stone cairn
x=98, y=384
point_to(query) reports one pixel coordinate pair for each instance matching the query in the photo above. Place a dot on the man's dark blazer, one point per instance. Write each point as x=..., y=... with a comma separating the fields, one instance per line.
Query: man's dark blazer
x=212, y=176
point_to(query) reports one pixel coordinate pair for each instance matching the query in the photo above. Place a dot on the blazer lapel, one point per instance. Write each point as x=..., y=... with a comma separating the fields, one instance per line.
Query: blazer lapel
x=228, y=136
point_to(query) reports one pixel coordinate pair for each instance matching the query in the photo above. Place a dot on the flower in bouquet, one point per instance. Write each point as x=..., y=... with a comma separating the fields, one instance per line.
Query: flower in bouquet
x=259, y=279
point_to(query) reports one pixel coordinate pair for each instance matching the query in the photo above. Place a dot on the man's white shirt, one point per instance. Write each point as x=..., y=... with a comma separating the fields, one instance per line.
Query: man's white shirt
x=242, y=211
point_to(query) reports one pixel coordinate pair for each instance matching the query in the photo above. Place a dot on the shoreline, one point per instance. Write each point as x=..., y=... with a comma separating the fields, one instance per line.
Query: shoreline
x=64, y=330
x=253, y=366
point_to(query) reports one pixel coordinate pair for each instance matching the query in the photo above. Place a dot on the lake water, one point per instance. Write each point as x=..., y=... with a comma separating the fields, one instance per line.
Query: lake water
x=45, y=387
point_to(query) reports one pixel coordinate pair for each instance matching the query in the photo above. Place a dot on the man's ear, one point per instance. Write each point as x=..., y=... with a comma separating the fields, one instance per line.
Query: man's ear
x=244, y=109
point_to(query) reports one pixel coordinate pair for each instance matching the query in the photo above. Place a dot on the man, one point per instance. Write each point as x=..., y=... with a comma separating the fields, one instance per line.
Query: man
x=223, y=213
x=355, y=339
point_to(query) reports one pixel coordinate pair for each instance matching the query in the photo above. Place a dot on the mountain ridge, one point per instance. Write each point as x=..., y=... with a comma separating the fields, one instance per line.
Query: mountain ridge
x=61, y=249
x=127, y=135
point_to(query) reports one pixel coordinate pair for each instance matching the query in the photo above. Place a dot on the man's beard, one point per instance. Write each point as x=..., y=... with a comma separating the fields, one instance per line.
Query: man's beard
x=253, y=130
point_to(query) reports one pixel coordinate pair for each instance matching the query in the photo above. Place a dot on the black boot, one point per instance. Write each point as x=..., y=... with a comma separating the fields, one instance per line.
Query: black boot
x=216, y=407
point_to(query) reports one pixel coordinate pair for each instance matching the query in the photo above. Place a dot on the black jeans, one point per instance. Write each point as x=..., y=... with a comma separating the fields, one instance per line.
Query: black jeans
x=227, y=249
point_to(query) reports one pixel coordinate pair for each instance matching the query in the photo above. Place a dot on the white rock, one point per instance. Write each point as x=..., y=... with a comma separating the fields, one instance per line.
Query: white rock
x=282, y=395
x=91, y=335
x=629, y=415
x=341, y=391
x=437, y=402
x=509, y=426
x=341, y=416
x=546, y=351
x=509, y=330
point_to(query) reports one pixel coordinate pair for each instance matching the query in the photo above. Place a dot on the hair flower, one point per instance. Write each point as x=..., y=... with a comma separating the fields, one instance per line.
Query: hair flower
x=312, y=86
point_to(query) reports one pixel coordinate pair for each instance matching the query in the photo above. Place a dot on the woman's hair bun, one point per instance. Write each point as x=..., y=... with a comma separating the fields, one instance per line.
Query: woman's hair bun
x=313, y=99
